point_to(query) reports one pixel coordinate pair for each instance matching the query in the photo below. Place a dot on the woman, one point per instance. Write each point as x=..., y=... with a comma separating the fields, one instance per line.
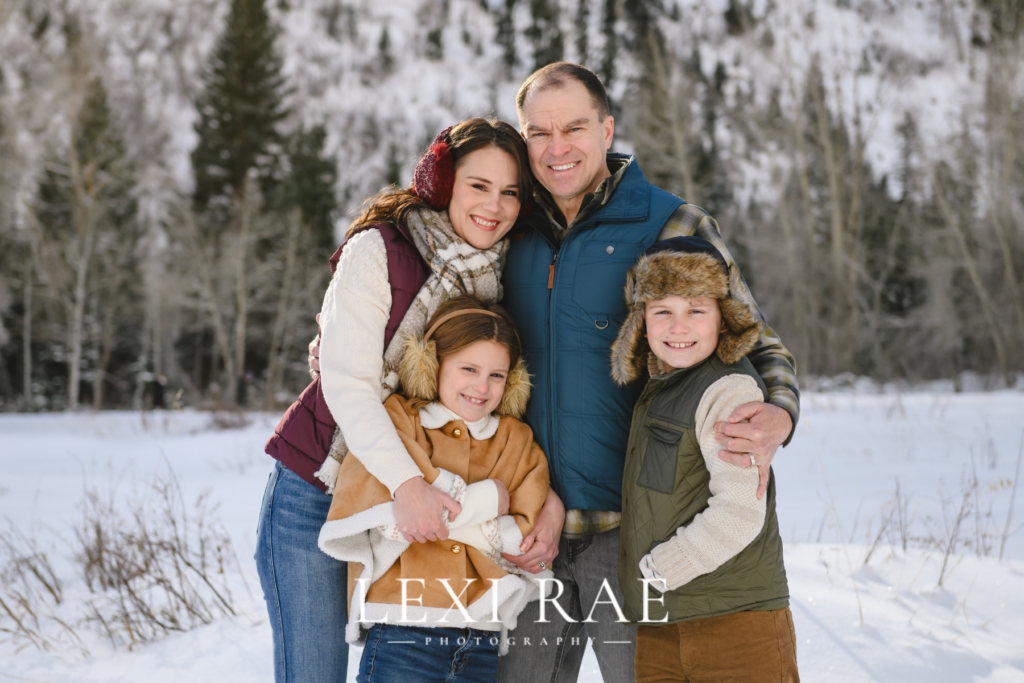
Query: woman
x=408, y=251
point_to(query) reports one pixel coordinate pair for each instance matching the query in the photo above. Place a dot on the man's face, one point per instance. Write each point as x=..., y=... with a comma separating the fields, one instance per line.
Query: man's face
x=566, y=141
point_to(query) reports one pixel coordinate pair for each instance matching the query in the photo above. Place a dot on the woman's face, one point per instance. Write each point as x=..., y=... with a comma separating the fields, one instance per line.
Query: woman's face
x=485, y=198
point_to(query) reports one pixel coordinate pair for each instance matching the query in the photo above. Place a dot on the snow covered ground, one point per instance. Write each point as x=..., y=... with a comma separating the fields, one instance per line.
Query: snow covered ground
x=885, y=619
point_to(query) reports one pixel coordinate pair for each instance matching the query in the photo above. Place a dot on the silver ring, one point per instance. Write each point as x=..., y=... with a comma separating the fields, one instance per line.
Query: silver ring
x=542, y=565
x=753, y=463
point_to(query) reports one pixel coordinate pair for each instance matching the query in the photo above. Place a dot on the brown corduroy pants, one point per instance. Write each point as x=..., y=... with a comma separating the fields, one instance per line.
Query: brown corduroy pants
x=741, y=647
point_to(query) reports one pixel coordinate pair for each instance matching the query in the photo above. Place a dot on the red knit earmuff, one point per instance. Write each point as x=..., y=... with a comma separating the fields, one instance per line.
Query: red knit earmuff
x=434, y=176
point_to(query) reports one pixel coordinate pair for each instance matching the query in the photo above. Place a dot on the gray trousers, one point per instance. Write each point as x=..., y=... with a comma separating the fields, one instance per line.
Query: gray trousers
x=553, y=651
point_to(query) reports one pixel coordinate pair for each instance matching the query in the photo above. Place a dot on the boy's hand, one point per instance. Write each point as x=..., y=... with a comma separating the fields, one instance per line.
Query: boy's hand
x=314, y=353
x=754, y=429
x=503, y=499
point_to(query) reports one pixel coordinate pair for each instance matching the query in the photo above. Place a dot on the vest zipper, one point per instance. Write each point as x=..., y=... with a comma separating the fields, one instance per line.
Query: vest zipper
x=551, y=271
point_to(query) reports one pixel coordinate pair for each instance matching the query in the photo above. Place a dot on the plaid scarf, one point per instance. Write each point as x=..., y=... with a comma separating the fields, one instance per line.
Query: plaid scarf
x=456, y=268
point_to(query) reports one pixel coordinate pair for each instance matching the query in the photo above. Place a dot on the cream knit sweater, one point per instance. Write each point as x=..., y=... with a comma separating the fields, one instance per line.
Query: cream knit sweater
x=355, y=312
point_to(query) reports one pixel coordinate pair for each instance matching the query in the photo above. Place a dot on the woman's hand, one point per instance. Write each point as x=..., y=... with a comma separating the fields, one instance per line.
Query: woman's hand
x=418, y=507
x=540, y=547
x=314, y=353
x=751, y=436
x=503, y=499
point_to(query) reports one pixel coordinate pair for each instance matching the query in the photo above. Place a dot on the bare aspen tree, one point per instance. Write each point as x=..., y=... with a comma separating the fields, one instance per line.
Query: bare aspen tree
x=282, y=319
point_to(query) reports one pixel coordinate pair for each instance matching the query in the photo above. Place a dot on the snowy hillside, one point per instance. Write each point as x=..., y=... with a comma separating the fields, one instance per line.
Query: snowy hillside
x=383, y=98
x=865, y=609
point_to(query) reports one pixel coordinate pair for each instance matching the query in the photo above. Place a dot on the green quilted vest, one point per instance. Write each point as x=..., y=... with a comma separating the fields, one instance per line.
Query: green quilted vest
x=665, y=486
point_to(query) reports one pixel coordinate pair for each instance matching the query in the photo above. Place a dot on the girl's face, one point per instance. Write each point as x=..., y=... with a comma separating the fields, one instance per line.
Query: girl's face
x=471, y=381
x=485, y=197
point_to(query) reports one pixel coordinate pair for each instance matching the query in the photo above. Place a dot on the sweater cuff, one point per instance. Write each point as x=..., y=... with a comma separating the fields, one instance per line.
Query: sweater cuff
x=673, y=565
x=393, y=469
x=509, y=535
x=785, y=398
x=479, y=504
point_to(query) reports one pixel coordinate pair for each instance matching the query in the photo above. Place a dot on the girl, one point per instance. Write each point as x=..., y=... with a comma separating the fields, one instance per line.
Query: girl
x=409, y=249
x=444, y=606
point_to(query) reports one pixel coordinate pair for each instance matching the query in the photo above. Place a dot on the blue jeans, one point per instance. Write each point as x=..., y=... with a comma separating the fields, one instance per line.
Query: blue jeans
x=401, y=654
x=306, y=591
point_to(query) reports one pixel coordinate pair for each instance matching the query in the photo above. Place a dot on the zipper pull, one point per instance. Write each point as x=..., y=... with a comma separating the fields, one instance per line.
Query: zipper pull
x=551, y=273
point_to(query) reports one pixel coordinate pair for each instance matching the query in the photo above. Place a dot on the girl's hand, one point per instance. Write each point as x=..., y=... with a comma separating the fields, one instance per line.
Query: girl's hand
x=541, y=544
x=503, y=499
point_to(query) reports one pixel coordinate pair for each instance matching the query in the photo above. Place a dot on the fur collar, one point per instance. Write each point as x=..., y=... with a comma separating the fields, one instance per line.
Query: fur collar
x=436, y=415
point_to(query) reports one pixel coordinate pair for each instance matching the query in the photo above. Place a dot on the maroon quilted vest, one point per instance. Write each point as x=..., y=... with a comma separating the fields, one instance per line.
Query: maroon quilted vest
x=303, y=437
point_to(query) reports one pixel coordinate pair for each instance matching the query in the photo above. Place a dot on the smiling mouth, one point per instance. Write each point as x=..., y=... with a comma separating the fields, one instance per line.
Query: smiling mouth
x=679, y=345
x=483, y=223
x=474, y=401
x=564, y=167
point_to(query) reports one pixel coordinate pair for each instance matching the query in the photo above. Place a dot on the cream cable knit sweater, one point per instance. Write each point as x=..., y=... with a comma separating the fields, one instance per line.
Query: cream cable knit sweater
x=734, y=515
x=352, y=321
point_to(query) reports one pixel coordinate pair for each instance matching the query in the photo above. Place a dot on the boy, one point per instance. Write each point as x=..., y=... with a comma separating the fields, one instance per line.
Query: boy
x=691, y=523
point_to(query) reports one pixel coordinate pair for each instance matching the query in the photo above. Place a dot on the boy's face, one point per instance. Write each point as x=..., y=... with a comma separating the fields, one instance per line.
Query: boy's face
x=682, y=332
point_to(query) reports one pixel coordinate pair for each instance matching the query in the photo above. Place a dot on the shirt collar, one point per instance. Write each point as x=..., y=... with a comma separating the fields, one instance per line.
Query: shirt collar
x=436, y=415
x=617, y=165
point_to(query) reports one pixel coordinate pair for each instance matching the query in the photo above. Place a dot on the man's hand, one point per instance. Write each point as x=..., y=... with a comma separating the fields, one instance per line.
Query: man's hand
x=503, y=498
x=418, y=507
x=314, y=353
x=754, y=429
x=541, y=544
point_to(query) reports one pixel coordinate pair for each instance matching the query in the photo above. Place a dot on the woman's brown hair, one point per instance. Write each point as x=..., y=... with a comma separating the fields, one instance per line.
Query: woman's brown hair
x=456, y=334
x=391, y=204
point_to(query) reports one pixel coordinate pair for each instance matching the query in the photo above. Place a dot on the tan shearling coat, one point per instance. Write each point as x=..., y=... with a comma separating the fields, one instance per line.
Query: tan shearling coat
x=450, y=460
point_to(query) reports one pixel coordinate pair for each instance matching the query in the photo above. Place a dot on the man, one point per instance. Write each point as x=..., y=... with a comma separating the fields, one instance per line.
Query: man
x=563, y=281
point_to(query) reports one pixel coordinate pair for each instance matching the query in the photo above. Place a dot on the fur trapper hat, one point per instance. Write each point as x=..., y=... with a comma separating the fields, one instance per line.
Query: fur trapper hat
x=688, y=267
x=418, y=372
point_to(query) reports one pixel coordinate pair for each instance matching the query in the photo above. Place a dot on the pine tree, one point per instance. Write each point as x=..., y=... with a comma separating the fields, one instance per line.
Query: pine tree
x=309, y=185
x=240, y=109
x=387, y=60
x=505, y=35
x=307, y=203
x=582, y=34
x=611, y=45
x=237, y=164
x=545, y=34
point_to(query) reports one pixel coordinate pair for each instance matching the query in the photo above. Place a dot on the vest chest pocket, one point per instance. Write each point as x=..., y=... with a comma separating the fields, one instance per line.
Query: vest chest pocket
x=600, y=276
x=658, y=471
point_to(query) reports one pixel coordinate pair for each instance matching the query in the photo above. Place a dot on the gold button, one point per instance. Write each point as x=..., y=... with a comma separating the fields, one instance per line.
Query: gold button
x=456, y=548
x=457, y=433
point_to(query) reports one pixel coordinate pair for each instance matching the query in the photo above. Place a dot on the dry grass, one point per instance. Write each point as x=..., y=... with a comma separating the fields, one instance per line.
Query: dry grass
x=155, y=566
x=31, y=595
x=152, y=565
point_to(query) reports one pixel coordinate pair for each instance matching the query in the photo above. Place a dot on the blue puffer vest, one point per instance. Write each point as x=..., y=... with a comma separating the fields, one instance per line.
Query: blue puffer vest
x=568, y=304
